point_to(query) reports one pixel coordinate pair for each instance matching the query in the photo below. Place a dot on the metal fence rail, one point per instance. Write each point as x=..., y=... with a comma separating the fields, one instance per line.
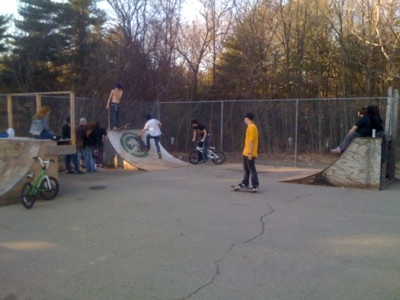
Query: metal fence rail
x=292, y=127
x=288, y=128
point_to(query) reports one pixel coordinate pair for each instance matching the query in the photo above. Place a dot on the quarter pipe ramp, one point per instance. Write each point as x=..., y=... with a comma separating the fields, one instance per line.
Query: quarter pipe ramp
x=130, y=146
x=360, y=166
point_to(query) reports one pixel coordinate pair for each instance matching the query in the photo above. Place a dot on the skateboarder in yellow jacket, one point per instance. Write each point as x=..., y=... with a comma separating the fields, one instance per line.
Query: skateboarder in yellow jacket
x=250, y=153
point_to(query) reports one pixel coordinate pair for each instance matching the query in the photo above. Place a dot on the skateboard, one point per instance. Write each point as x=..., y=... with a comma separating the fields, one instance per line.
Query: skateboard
x=123, y=127
x=241, y=189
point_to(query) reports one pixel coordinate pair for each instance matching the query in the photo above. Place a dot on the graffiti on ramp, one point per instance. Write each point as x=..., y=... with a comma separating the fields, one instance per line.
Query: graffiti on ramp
x=131, y=147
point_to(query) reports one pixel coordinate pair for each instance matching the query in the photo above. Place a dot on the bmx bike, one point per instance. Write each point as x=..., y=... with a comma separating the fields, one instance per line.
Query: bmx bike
x=217, y=157
x=45, y=186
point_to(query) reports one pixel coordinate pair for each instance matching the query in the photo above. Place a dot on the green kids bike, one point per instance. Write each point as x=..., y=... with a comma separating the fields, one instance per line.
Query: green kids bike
x=45, y=186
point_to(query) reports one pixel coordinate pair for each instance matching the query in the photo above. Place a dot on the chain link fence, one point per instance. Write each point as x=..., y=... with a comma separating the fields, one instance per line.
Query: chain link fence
x=293, y=132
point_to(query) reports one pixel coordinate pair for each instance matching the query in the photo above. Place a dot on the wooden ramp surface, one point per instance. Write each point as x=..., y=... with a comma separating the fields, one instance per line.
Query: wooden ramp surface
x=16, y=161
x=358, y=167
x=130, y=147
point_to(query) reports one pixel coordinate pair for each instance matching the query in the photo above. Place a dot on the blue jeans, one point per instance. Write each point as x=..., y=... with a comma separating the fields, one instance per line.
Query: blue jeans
x=156, y=141
x=249, y=167
x=89, y=160
x=347, y=140
x=47, y=135
x=74, y=158
x=115, y=108
x=204, y=145
x=100, y=159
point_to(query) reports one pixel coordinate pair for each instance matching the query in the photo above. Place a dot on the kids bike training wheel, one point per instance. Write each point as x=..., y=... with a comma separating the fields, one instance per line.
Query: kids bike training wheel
x=27, y=197
x=219, y=158
x=49, y=192
x=194, y=157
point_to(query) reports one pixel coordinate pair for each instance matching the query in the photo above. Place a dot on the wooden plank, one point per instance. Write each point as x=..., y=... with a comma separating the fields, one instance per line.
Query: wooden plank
x=59, y=150
x=10, y=112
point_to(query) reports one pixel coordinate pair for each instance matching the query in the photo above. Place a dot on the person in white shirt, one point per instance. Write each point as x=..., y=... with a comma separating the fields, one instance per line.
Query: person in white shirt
x=154, y=132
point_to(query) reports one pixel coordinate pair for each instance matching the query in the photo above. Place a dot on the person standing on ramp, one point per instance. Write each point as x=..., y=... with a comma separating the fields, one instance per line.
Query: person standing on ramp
x=114, y=102
x=250, y=153
x=153, y=126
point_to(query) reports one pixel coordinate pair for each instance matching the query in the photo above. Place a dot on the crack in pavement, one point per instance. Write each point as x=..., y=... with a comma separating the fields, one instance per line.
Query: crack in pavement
x=219, y=261
x=296, y=198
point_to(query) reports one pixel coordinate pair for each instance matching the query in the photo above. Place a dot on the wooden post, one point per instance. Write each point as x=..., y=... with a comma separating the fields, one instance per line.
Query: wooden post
x=72, y=116
x=38, y=102
x=9, y=111
x=393, y=131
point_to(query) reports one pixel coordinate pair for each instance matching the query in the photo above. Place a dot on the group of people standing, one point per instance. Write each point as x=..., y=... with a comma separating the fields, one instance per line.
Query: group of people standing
x=89, y=143
x=89, y=140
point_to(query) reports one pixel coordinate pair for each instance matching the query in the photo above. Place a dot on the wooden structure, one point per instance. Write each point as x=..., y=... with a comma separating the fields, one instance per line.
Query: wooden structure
x=359, y=166
x=64, y=149
x=17, y=152
x=367, y=163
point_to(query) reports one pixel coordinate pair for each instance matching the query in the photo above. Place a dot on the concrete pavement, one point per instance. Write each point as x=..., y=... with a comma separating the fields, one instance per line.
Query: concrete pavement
x=184, y=234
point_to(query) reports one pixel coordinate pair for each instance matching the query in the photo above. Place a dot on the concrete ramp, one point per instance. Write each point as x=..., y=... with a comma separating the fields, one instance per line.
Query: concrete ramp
x=15, y=161
x=130, y=146
x=359, y=166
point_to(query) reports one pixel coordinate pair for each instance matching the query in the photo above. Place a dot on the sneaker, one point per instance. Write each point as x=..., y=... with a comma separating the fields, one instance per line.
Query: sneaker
x=159, y=155
x=336, y=150
x=254, y=189
x=242, y=185
x=70, y=172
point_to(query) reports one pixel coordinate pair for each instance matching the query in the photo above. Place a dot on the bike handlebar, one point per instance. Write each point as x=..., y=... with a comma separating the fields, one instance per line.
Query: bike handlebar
x=44, y=162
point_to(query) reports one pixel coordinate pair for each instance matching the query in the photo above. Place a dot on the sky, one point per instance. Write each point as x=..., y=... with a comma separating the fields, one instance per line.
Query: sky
x=11, y=7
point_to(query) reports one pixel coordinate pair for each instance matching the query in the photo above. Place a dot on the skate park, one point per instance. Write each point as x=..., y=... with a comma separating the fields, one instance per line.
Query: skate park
x=181, y=233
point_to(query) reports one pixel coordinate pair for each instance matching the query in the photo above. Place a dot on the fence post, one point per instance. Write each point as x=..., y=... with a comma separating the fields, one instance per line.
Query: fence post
x=72, y=116
x=394, y=132
x=10, y=111
x=158, y=109
x=296, y=132
x=222, y=126
x=389, y=111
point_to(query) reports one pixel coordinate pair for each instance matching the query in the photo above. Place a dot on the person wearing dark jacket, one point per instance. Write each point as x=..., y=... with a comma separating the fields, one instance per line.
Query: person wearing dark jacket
x=362, y=128
x=68, y=158
x=89, y=143
x=377, y=125
x=80, y=136
x=99, y=134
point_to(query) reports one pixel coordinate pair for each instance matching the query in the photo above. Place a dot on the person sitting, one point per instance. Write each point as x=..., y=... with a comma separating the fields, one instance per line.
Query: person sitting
x=377, y=125
x=40, y=125
x=361, y=128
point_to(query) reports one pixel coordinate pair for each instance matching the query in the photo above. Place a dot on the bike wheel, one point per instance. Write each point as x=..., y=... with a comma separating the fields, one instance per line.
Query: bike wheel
x=27, y=197
x=194, y=157
x=219, y=157
x=49, y=192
